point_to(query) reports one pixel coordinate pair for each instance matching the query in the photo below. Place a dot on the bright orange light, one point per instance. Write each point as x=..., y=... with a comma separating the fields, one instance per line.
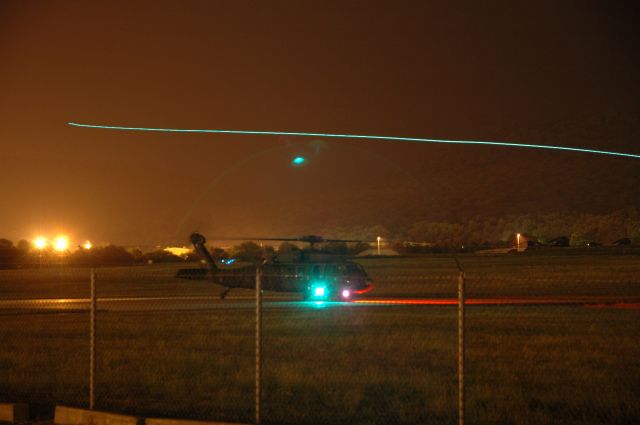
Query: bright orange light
x=179, y=251
x=40, y=243
x=87, y=245
x=61, y=243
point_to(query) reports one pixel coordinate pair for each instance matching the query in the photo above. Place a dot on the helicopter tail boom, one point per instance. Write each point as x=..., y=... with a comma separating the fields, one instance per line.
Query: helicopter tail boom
x=198, y=242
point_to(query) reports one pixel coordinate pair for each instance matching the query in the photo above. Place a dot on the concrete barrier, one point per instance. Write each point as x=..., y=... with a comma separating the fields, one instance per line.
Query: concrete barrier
x=14, y=412
x=152, y=421
x=75, y=416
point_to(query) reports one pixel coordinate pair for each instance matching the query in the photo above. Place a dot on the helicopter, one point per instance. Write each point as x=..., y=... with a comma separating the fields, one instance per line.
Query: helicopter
x=317, y=276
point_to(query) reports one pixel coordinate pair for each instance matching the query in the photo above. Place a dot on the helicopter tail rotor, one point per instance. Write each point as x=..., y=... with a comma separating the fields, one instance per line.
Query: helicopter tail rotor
x=197, y=238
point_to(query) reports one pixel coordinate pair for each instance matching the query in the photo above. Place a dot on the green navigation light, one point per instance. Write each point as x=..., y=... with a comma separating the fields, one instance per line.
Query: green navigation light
x=298, y=161
x=318, y=291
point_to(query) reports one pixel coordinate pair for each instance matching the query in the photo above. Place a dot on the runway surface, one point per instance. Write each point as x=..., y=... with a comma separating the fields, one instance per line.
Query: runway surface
x=291, y=301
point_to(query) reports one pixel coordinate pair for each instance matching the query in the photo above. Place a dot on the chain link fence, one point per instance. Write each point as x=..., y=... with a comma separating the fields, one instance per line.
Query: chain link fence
x=545, y=342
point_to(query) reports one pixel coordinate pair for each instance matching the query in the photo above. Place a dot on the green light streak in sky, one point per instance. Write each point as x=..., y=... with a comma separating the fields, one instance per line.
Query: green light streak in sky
x=359, y=136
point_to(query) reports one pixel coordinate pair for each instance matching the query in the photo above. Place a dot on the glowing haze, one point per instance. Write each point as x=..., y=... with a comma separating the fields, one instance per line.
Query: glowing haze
x=544, y=73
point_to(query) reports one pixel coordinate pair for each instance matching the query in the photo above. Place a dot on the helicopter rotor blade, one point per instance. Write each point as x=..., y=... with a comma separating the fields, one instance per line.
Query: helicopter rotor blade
x=348, y=240
x=312, y=239
x=222, y=238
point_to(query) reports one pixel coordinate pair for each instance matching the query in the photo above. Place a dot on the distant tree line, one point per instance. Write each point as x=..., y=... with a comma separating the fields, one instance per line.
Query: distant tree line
x=576, y=229
x=23, y=254
x=489, y=231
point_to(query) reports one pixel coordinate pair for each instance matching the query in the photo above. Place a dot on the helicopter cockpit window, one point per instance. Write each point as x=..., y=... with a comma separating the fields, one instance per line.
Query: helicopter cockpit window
x=352, y=268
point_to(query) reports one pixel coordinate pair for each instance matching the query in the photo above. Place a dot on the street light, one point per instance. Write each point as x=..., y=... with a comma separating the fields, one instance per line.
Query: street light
x=378, y=239
x=40, y=243
x=61, y=243
x=518, y=241
x=87, y=245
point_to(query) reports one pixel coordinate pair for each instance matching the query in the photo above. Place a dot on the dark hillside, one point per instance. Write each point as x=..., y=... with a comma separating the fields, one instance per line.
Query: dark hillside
x=364, y=187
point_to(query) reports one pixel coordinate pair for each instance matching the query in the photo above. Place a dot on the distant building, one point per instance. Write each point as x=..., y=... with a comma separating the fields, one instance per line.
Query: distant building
x=522, y=242
x=622, y=242
x=559, y=241
x=410, y=244
x=179, y=251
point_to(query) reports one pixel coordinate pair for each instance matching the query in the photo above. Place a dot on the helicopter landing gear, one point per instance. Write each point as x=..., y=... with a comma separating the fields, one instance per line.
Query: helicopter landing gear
x=224, y=293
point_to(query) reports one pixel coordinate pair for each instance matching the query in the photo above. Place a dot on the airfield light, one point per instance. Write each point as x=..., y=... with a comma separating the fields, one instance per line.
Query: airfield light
x=346, y=293
x=319, y=291
x=40, y=243
x=61, y=243
x=87, y=245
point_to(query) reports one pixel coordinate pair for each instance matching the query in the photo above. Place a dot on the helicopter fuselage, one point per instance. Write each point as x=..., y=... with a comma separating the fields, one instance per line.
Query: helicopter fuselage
x=337, y=280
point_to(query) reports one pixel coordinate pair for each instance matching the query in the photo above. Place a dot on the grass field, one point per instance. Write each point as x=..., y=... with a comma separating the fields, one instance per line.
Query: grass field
x=343, y=364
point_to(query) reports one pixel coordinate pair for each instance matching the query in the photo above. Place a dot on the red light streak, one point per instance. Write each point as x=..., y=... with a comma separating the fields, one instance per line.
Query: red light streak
x=584, y=301
x=369, y=288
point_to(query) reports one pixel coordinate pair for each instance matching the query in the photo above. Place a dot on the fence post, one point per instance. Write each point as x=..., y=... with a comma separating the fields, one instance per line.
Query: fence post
x=92, y=341
x=258, y=342
x=461, y=347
